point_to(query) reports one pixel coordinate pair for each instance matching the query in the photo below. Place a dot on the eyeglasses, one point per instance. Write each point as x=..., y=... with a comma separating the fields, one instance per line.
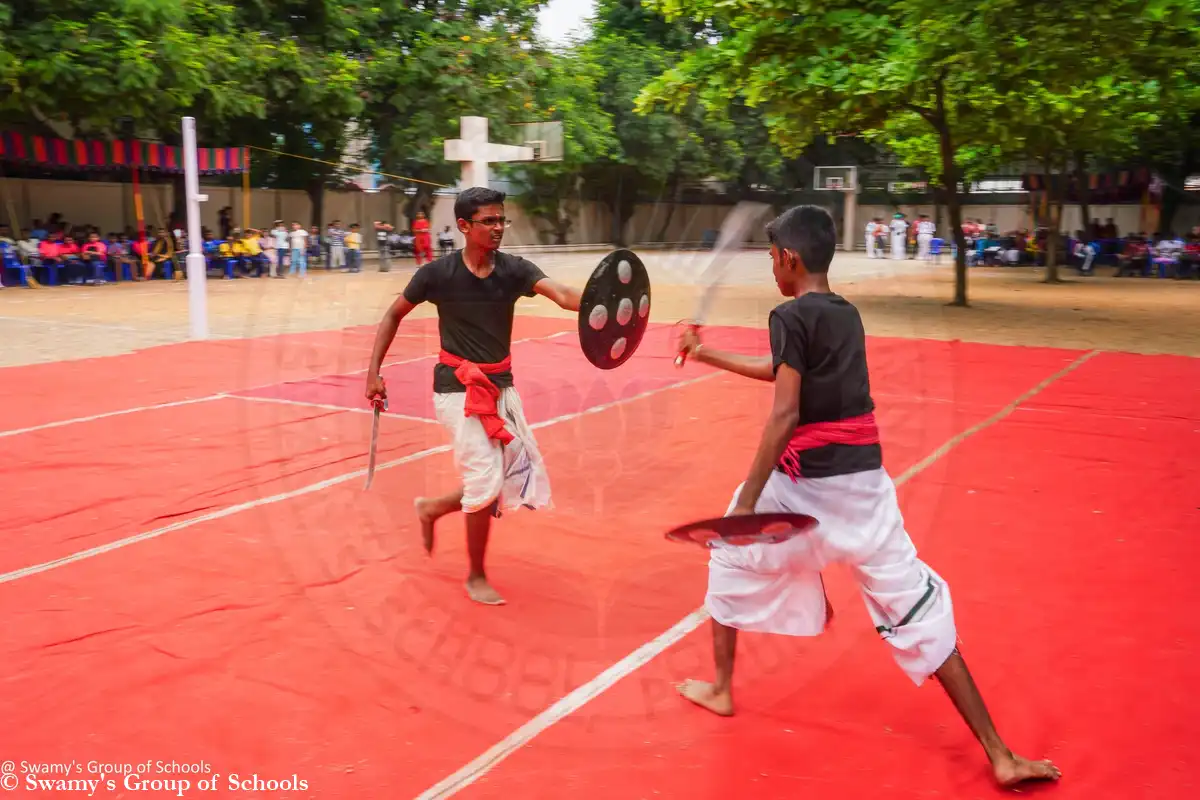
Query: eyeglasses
x=492, y=222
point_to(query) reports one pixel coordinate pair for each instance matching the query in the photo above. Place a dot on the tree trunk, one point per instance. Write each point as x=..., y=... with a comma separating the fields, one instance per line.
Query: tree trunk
x=1085, y=194
x=421, y=201
x=950, y=186
x=316, y=196
x=676, y=195
x=618, y=218
x=562, y=224
x=1055, y=193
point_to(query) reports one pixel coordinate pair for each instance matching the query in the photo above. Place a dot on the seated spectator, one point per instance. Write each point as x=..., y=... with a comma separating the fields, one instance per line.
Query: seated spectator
x=120, y=255
x=27, y=248
x=50, y=254
x=1133, y=258
x=1167, y=253
x=94, y=254
x=247, y=249
x=162, y=254
x=1083, y=253
x=1189, y=259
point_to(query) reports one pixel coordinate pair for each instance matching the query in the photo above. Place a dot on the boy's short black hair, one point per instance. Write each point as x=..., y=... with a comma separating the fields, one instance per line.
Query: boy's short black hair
x=468, y=202
x=809, y=232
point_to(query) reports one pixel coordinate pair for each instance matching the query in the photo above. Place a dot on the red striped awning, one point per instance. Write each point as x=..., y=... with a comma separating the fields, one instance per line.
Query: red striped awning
x=102, y=154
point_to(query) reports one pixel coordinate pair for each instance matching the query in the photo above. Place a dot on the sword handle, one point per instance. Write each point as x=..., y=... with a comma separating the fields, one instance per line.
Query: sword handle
x=681, y=359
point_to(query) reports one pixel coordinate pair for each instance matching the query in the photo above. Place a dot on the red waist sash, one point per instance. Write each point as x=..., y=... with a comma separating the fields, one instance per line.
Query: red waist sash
x=860, y=430
x=482, y=394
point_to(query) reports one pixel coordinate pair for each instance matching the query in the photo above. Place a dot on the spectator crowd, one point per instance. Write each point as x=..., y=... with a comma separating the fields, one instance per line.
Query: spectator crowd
x=60, y=253
x=1163, y=255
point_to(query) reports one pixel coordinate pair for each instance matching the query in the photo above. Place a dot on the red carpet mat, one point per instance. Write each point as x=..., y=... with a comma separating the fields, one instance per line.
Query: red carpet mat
x=1077, y=617
x=310, y=635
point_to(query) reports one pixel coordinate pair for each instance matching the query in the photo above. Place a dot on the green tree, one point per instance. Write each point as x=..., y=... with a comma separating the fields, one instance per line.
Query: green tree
x=92, y=67
x=434, y=64
x=661, y=152
x=1172, y=150
x=309, y=71
x=910, y=73
x=566, y=89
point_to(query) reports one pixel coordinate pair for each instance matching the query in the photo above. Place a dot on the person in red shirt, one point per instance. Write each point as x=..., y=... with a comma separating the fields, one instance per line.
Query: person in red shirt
x=95, y=253
x=68, y=252
x=50, y=255
x=422, y=239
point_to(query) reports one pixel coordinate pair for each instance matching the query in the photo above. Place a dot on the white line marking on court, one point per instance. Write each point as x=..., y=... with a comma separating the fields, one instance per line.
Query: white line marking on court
x=328, y=407
x=589, y=691
x=229, y=511
x=107, y=414
x=223, y=395
x=568, y=704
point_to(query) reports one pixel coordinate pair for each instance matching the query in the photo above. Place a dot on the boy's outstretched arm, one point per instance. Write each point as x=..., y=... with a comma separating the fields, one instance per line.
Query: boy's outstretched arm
x=566, y=297
x=759, y=368
x=383, y=340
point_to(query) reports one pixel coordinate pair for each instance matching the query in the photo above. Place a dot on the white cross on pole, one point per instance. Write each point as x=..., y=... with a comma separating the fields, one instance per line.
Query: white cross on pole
x=476, y=152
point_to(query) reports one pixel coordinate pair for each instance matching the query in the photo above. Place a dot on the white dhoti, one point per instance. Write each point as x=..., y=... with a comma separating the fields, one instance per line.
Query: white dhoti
x=777, y=588
x=898, y=246
x=514, y=474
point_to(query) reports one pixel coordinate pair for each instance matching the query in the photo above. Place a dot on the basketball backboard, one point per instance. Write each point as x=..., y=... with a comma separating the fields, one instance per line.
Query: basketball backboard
x=545, y=139
x=835, y=179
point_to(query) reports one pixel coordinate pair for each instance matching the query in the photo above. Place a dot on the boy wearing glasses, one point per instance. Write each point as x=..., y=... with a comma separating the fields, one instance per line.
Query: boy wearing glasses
x=476, y=290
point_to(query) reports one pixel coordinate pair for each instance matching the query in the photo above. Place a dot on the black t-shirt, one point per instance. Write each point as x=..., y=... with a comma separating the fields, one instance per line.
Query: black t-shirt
x=475, y=316
x=821, y=336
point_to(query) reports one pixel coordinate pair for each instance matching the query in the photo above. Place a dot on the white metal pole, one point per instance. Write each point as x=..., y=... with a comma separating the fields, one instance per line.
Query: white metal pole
x=197, y=271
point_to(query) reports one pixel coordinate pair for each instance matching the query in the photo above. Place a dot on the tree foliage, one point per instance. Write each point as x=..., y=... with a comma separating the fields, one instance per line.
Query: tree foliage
x=909, y=73
x=432, y=66
x=955, y=87
x=566, y=89
x=87, y=67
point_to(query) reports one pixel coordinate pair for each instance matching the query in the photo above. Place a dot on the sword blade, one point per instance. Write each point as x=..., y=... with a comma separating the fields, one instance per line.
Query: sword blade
x=374, y=447
x=729, y=242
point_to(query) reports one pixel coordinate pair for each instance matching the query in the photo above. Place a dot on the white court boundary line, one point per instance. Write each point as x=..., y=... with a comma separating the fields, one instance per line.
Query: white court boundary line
x=236, y=393
x=578, y=698
x=328, y=407
x=229, y=511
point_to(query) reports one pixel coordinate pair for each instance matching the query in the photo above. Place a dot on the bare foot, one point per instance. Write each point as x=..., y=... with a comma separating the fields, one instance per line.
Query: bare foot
x=1013, y=770
x=427, y=519
x=705, y=694
x=479, y=590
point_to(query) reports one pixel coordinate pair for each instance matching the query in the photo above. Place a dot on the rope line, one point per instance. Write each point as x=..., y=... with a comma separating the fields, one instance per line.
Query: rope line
x=335, y=164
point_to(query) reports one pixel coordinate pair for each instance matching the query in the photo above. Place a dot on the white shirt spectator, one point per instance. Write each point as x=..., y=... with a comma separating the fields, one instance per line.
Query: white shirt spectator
x=299, y=239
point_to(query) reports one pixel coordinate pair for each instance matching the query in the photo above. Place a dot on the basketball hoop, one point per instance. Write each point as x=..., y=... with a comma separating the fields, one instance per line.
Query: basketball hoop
x=545, y=139
x=835, y=179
